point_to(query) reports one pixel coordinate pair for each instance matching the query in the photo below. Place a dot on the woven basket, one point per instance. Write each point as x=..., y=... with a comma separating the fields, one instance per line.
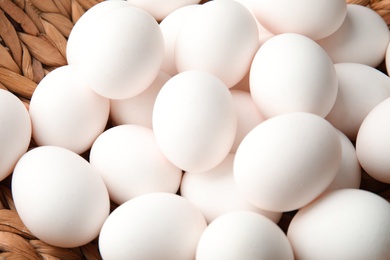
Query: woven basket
x=33, y=38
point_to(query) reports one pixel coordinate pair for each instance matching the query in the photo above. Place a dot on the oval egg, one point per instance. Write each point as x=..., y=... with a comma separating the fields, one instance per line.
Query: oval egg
x=59, y=196
x=131, y=164
x=65, y=112
x=194, y=120
x=314, y=19
x=361, y=88
x=362, y=38
x=292, y=73
x=373, y=144
x=15, y=131
x=285, y=162
x=220, y=37
x=122, y=52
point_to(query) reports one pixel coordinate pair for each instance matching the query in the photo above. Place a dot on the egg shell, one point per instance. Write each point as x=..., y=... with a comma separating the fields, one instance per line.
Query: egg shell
x=243, y=235
x=287, y=161
x=65, y=112
x=343, y=224
x=122, y=52
x=373, y=143
x=264, y=34
x=314, y=19
x=362, y=38
x=361, y=88
x=152, y=226
x=220, y=37
x=248, y=115
x=349, y=174
x=170, y=27
x=131, y=164
x=194, y=120
x=77, y=39
x=160, y=10
x=15, y=131
x=215, y=192
x=138, y=110
x=59, y=196
x=292, y=73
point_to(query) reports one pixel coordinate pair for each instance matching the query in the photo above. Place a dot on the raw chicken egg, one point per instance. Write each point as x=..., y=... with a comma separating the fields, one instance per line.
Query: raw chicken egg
x=15, y=131
x=131, y=163
x=292, y=73
x=152, y=226
x=66, y=112
x=194, y=120
x=285, y=162
x=373, y=142
x=59, y=196
x=220, y=37
x=243, y=235
x=343, y=224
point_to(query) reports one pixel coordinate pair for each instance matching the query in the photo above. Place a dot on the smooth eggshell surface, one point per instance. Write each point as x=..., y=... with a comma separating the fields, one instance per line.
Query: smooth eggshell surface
x=76, y=41
x=194, y=120
x=362, y=38
x=292, y=73
x=243, y=235
x=152, y=226
x=59, y=196
x=161, y=9
x=131, y=164
x=220, y=37
x=314, y=19
x=65, y=112
x=215, y=192
x=349, y=174
x=170, y=27
x=248, y=116
x=139, y=109
x=373, y=142
x=343, y=224
x=287, y=161
x=361, y=88
x=122, y=52
x=15, y=131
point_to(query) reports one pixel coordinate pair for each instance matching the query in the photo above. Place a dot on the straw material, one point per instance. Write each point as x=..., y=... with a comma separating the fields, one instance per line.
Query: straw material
x=33, y=38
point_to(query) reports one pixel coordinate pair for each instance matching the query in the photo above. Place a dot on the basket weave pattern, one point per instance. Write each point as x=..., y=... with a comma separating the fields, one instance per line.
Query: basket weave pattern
x=33, y=38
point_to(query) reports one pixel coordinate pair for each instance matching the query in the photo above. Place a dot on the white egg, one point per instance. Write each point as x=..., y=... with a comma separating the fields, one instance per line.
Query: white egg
x=292, y=73
x=215, y=192
x=343, y=224
x=314, y=19
x=287, y=161
x=139, y=109
x=349, y=174
x=65, y=112
x=194, y=120
x=152, y=226
x=59, y=196
x=161, y=9
x=15, y=131
x=248, y=115
x=170, y=27
x=361, y=88
x=373, y=142
x=220, y=37
x=362, y=38
x=243, y=235
x=122, y=52
x=77, y=37
x=131, y=164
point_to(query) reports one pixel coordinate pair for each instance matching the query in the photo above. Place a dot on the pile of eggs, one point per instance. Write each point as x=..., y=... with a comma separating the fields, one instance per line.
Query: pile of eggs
x=222, y=116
